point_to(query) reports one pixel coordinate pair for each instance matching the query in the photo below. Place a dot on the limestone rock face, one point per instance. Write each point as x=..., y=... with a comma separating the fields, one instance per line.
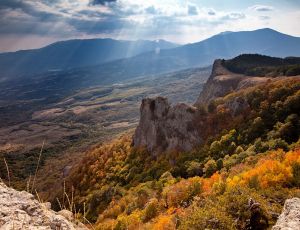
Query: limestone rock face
x=164, y=127
x=290, y=217
x=19, y=210
x=222, y=82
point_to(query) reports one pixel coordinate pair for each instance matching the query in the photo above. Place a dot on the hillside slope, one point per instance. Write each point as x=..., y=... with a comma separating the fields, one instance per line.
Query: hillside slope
x=239, y=176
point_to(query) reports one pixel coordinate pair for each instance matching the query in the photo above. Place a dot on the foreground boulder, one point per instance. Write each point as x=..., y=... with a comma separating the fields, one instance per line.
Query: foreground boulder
x=19, y=210
x=290, y=217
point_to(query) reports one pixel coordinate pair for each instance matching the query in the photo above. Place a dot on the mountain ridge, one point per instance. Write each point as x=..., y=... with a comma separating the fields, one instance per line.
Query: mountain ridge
x=154, y=61
x=74, y=53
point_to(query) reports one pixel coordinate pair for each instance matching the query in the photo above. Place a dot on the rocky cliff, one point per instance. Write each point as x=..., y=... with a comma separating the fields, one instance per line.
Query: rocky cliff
x=222, y=81
x=19, y=210
x=164, y=127
x=290, y=217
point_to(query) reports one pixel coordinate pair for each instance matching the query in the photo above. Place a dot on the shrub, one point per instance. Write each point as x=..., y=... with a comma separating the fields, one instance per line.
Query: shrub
x=219, y=164
x=151, y=210
x=296, y=174
x=182, y=193
x=254, y=182
x=164, y=222
x=194, y=168
x=210, y=168
x=210, y=216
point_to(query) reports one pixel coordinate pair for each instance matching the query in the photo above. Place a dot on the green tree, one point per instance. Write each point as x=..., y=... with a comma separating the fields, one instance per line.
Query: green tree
x=210, y=168
x=194, y=168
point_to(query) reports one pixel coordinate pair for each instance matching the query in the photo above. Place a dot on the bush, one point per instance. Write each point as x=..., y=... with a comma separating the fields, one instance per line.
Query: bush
x=219, y=164
x=277, y=144
x=254, y=182
x=296, y=174
x=210, y=168
x=194, y=168
x=210, y=216
x=151, y=210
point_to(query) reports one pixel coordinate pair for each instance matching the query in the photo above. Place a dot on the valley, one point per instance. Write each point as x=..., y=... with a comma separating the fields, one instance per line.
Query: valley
x=75, y=119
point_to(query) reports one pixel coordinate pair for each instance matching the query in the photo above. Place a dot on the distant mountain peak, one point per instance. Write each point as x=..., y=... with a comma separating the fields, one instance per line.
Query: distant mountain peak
x=267, y=29
x=225, y=32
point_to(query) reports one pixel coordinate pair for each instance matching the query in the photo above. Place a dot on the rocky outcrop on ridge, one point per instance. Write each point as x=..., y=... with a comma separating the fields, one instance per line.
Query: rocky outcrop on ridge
x=290, y=216
x=19, y=210
x=222, y=82
x=164, y=127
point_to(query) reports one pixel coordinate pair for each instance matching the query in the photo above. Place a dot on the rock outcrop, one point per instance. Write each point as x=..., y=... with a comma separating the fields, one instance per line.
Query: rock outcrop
x=164, y=127
x=290, y=217
x=222, y=82
x=19, y=210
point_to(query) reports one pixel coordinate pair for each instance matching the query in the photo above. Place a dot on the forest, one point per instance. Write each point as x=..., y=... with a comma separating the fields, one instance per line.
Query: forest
x=256, y=155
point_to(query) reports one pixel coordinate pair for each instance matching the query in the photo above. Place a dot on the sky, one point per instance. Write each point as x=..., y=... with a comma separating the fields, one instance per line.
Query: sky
x=27, y=24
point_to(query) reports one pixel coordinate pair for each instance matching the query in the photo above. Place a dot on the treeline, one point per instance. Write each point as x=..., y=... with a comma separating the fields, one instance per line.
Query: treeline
x=260, y=65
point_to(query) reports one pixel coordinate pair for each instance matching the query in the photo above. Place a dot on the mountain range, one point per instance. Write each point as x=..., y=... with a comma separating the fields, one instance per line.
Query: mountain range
x=73, y=54
x=107, y=58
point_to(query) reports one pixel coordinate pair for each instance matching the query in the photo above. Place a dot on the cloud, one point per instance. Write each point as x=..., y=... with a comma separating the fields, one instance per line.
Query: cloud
x=151, y=10
x=261, y=8
x=211, y=12
x=233, y=16
x=265, y=17
x=55, y=17
x=102, y=2
x=192, y=10
x=98, y=17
